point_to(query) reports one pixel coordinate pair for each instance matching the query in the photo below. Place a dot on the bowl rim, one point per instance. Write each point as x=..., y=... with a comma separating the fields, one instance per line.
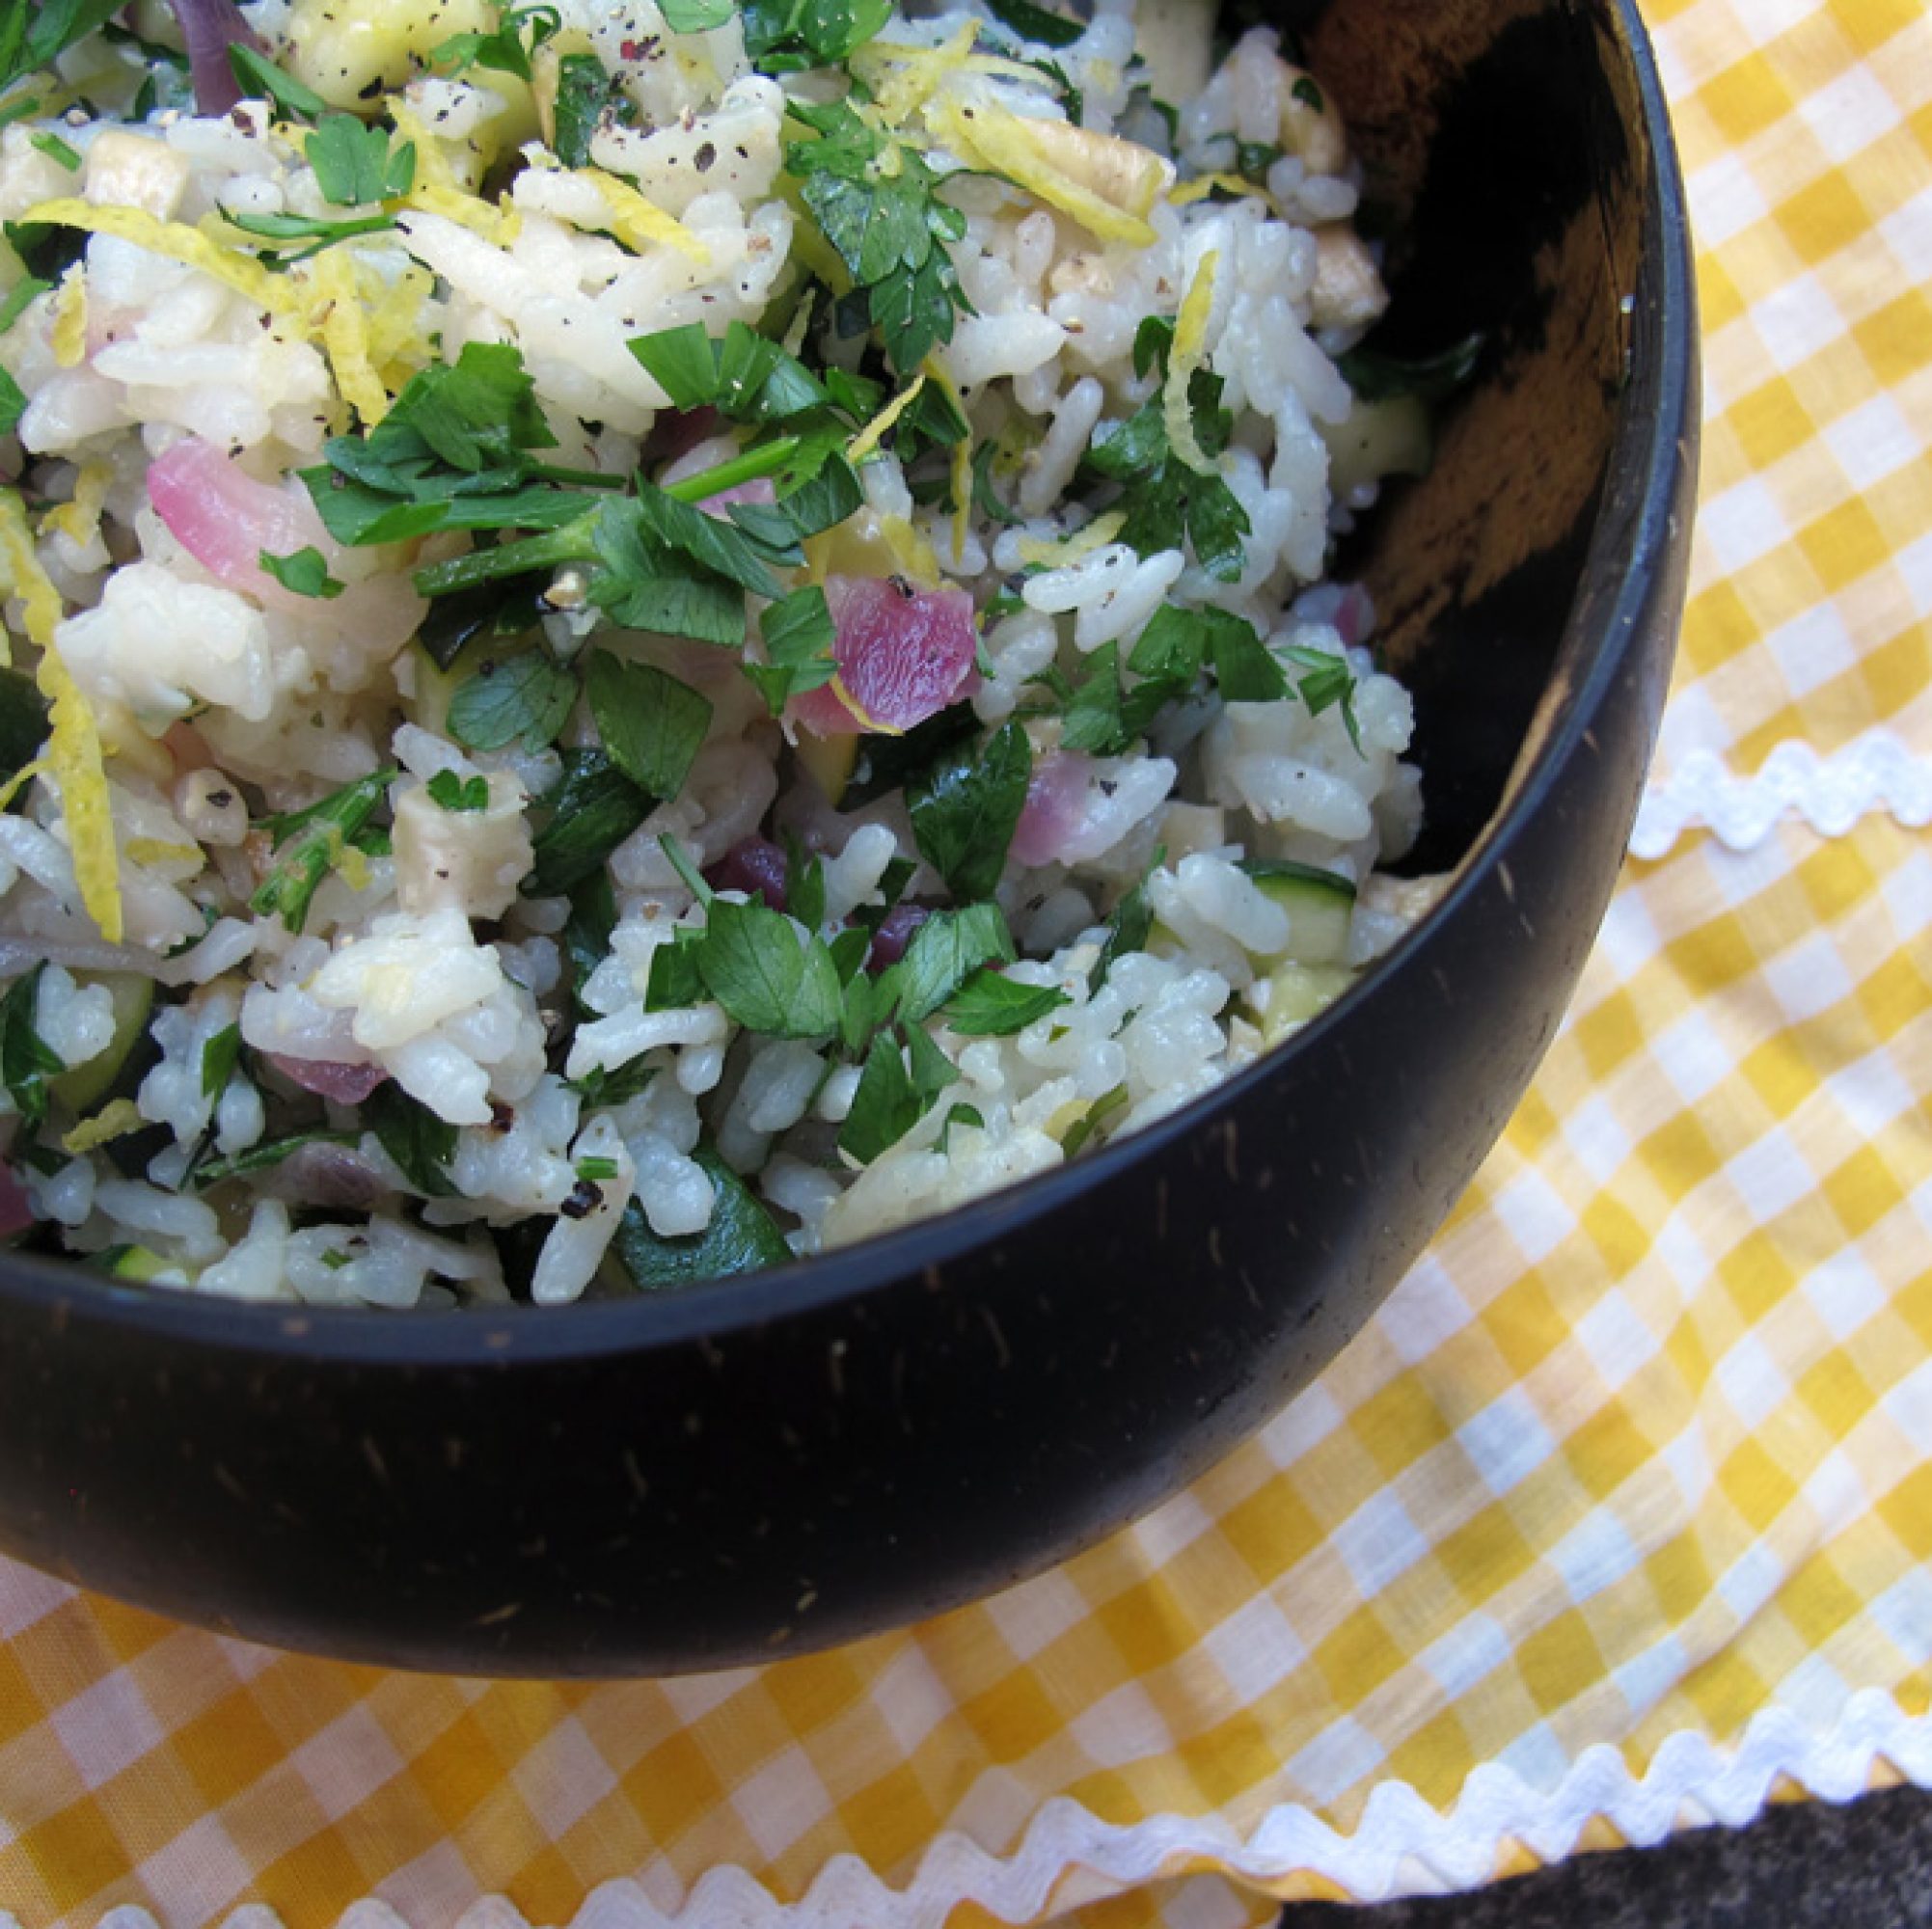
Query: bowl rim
x=1649, y=441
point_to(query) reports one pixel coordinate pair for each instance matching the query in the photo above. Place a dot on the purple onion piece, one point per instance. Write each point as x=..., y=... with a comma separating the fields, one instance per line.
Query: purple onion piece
x=336, y=1177
x=210, y=27
x=756, y=866
x=345, y=1084
x=894, y=934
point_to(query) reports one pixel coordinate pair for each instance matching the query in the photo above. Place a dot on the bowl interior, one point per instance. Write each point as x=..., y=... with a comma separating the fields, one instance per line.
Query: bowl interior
x=1506, y=153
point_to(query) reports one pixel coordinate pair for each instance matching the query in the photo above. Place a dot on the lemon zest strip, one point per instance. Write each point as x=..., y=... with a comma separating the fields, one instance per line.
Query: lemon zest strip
x=112, y=1121
x=641, y=224
x=79, y=520
x=343, y=326
x=73, y=746
x=21, y=575
x=867, y=440
x=69, y=333
x=174, y=241
x=1189, y=352
x=985, y=135
x=1097, y=535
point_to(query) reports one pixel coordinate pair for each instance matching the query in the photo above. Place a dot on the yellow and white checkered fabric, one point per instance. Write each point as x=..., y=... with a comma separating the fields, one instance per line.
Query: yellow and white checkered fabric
x=1618, y=1514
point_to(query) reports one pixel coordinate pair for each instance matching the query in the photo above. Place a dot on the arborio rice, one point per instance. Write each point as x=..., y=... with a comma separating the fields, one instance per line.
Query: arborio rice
x=649, y=638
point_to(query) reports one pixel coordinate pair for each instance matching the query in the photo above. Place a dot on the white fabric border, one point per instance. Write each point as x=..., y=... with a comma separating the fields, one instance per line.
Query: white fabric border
x=1402, y=1846
x=1874, y=772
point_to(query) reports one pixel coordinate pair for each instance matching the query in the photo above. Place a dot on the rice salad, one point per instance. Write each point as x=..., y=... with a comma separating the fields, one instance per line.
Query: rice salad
x=646, y=638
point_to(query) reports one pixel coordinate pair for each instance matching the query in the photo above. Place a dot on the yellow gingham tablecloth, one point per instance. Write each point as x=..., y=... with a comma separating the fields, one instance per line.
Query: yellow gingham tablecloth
x=1617, y=1518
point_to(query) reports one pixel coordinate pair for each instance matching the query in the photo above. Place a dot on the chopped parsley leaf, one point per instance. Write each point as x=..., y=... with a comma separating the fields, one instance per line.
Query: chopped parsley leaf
x=695, y=16
x=966, y=808
x=1036, y=23
x=591, y=812
x=586, y=95
x=419, y=1143
x=220, y=1056
x=992, y=1005
x=524, y=698
x=767, y=974
x=27, y=1061
x=651, y=725
x=303, y=572
x=309, y=841
x=943, y=953
x=1127, y=927
x=788, y=36
x=459, y=794
x=897, y=1088
x=1166, y=501
x=799, y=634
x=354, y=164
x=741, y=1237
x=877, y=204
x=505, y=52
x=261, y=79
x=57, y=24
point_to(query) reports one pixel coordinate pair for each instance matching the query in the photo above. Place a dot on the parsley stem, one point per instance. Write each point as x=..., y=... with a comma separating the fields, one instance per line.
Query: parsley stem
x=767, y=459
x=576, y=479
x=572, y=543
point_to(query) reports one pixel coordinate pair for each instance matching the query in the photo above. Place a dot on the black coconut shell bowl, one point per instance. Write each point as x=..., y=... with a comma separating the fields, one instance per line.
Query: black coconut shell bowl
x=803, y=1456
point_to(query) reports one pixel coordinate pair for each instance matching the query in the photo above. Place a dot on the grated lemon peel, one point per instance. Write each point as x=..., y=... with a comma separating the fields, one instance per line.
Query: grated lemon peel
x=174, y=241
x=1097, y=535
x=1189, y=352
x=159, y=851
x=72, y=756
x=21, y=574
x=641, y=224
x=1203, y=186
x=79, y=520
x=69, y=331
x=112, y=1121
x=866, y=442
x=902, y=78
x=438, y=188
x=867, y=722
x=1059, y=164
x=343, y=322
x=911, y=550
x=86, y=807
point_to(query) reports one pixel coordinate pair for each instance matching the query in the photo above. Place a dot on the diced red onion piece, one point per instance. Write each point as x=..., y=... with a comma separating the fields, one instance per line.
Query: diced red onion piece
x=1355, y=614
x=759, y=490
x=345, y=1084
x=903, y=655
x=1056, y=807
x=894, y=934
x=210, y=27
x=756, y=866
x=326, y=1175
x=224, y=519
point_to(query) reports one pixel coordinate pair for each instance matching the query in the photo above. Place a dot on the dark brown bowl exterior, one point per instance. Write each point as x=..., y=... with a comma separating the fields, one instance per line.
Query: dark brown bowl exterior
x=806, y=1457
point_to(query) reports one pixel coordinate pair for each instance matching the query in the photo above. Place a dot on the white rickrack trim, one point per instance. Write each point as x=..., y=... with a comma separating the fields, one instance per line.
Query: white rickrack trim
x=1873, y=773
x=1402, y=1846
